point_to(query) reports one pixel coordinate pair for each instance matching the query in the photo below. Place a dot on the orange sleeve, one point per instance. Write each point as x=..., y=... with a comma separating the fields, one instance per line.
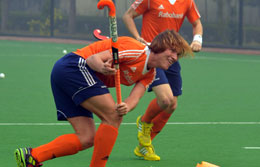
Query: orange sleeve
x=94, y=48
x=140, y=6
x=193, y=12
x=148, y=79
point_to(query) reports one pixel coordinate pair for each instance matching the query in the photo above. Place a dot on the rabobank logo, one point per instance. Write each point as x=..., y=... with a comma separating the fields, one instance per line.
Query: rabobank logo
x=170, y=15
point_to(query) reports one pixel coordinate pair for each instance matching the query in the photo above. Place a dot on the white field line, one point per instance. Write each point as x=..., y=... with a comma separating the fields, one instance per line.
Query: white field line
x=251, y=148
x=169, y=123
x=227, y=59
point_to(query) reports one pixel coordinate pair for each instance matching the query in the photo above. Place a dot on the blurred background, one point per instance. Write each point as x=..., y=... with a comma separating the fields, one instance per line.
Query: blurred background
x=227, y=23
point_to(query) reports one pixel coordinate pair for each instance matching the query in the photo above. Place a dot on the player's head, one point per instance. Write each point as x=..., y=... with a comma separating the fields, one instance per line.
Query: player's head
x=172, y=40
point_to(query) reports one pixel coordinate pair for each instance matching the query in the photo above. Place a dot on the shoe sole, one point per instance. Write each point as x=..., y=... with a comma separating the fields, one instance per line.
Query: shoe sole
x=151, y=159
x=138, y=154
x=144, y=157
x=19, y=158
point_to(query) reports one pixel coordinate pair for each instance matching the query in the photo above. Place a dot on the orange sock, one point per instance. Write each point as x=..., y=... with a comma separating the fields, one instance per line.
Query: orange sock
x=103, y=144
x=158, y=123
x=63, y=145
x=152, y=110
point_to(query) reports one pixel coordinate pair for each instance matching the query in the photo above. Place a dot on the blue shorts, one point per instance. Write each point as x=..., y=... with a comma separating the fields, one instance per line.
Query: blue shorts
x=73, y=82
x=171, y=76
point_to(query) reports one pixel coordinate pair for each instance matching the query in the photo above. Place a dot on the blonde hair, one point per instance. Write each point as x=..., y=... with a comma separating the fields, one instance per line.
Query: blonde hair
x=170, y=39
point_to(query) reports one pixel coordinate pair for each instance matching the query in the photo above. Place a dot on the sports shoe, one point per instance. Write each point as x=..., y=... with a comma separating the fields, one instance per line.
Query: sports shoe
x=144, y=132
x=147, y=152
x=25, y=159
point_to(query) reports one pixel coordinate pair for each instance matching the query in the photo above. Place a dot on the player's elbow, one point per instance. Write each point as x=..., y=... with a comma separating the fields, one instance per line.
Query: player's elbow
x=126, y=18
x=129, y=15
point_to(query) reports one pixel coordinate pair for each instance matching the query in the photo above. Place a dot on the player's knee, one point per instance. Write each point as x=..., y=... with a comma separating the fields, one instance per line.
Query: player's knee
x=115, y=120
x=86, y=139
x=165, y=102
x=112, y=118
x=87, y=142
x=172, y=107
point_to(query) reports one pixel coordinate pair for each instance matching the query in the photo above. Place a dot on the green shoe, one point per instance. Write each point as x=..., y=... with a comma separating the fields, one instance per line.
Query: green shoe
x=25, y=159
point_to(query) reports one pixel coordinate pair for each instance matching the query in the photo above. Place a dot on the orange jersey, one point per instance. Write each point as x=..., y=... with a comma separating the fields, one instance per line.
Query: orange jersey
x=133, y=57
x=160, y=15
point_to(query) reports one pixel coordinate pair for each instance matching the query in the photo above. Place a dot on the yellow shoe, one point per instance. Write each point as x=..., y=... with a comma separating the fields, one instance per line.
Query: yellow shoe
x=147, y=153
x=144, y=132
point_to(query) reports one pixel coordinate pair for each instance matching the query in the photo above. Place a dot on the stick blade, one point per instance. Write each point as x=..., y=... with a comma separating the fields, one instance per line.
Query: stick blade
x=98, y=36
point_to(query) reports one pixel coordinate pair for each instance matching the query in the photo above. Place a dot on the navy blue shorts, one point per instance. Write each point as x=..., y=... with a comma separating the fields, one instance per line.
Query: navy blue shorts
x=73, y=82
x=171, y=76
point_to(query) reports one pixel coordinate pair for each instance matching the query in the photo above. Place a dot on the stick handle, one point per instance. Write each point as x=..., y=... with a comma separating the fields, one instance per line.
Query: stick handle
x=118, y=87
x=113, y=34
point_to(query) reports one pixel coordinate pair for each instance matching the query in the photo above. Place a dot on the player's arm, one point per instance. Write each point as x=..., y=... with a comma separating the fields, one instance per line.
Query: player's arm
x=197, y=27
x=135, y=95
x=132, y=100
x=128, y=19
x=101, y=62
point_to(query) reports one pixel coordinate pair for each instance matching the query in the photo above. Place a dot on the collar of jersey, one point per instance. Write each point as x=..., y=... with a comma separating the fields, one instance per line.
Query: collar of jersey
x=147, y=52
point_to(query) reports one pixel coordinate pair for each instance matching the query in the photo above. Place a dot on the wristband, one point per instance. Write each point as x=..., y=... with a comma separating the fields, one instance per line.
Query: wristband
x=198, y=37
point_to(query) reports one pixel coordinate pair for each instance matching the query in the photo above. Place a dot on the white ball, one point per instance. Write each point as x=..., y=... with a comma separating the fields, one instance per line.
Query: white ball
x=65, y=51
x=2, y=75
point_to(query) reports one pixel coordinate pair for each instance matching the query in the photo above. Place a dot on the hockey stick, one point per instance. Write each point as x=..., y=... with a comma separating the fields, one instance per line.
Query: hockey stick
x=113, y=34
x=98, y=36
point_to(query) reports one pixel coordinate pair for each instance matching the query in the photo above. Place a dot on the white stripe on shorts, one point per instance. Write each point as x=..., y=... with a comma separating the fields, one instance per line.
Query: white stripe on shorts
x=62, y=113
x=88, y=73
x=88, y=77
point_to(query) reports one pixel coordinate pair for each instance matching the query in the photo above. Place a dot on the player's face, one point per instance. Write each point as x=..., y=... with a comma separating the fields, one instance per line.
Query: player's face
x=167, y=58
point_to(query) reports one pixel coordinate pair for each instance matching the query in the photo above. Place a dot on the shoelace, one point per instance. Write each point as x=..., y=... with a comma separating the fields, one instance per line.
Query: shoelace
x=147, y=129
x=150, y=149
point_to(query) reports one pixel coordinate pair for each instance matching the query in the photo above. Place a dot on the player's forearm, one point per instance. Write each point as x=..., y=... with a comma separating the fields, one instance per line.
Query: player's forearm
x=198, y=29
x=97, y=61
x=135, y=96
x=130, y=24
x=197, y=36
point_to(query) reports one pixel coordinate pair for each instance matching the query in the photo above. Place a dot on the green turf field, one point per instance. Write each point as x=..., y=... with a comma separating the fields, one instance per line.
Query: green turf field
x=217, y=119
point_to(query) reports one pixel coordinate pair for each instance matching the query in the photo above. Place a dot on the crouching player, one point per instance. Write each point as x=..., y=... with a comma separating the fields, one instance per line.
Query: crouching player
x=80, y=82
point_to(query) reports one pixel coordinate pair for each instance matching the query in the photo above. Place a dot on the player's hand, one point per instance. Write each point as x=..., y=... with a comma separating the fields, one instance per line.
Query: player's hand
x=140, y=39
x=195, y=46
x=122, y=109
x=107, y=69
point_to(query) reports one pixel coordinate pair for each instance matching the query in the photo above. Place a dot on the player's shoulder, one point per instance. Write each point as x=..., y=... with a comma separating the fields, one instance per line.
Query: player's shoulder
x=183, y=2
x=122, y=38
x=130, y=42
